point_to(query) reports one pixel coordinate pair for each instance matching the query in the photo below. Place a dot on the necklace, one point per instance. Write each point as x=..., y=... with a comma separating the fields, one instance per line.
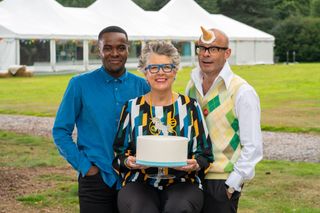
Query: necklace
x=156, y=126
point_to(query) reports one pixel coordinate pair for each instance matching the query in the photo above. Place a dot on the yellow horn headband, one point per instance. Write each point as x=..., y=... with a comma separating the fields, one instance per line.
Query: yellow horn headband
x=207, y=36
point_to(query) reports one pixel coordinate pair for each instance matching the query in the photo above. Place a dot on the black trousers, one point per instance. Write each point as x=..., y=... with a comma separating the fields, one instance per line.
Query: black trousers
x=142, y=198
x=216, y=199
x=95, y=196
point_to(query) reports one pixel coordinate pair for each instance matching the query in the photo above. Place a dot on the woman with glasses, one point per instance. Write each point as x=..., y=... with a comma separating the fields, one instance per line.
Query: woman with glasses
x=161, y=112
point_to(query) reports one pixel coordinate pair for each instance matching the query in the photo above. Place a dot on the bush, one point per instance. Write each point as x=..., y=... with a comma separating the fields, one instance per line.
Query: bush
x=298, y=34
x=315, y=8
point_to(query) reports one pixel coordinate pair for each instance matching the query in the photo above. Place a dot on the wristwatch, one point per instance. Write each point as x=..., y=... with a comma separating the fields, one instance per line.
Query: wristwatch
x=230, y=190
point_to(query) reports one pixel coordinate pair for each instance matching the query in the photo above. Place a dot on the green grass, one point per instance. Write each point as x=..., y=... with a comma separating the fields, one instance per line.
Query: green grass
x=38, y=95
x=64, y=196
x=32, y=199
x=55, y=177
x=27, y=151
x=278, y=187
x=21, y=151
x=289, y=94
x=282, y=186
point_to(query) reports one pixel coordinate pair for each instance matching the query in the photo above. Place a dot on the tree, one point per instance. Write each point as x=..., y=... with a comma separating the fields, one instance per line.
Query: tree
x=315, y=8
x=151, y=5
x=244, y=10
x=286, y=8
x=252, y=12
x=298, y=34
x=76, y=3
x=209, y=5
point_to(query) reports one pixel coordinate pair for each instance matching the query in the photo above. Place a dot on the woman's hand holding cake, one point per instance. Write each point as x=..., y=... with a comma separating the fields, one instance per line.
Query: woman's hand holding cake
x=192, y=165
x=130, y=163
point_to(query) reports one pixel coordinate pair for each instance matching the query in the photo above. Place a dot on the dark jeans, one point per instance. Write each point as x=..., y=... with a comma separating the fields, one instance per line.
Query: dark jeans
x=95, y=196
x=216, y=199
x=177, y=198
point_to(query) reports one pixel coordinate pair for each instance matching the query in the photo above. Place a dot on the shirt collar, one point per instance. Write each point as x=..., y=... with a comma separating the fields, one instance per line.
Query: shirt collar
x=225, y=74
x=108, y=78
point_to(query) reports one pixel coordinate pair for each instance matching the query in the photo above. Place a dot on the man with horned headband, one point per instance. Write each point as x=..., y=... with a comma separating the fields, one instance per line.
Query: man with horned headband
x=231, y=109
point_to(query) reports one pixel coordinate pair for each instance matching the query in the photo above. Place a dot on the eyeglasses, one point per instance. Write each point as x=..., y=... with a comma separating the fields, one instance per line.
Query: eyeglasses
x=155, y=68
x=211, y=49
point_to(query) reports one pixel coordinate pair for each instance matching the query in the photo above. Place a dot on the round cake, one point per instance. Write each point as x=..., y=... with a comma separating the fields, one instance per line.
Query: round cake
x=162, y=151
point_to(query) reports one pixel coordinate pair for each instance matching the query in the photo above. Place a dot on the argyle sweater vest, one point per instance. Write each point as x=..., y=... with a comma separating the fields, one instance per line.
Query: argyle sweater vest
x=218, y=107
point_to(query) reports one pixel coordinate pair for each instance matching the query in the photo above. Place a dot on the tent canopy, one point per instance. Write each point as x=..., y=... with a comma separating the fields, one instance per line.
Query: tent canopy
x=42, y=19
x=177, y=20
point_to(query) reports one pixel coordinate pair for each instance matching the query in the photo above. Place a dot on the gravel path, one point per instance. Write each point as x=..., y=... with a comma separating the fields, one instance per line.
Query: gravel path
x=277, y=146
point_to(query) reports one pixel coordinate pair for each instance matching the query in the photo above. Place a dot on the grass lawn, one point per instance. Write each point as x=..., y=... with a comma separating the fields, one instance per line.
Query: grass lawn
x=282, y=186
x=39, y=95
x=279, y=186
x=289, y=94
x=33, y=172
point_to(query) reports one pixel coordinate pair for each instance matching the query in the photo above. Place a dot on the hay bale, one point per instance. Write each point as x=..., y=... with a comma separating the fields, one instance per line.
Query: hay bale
x=17, y=68
x=23, y=73
x=28, y=73
x=5, y=75
x=19, y=71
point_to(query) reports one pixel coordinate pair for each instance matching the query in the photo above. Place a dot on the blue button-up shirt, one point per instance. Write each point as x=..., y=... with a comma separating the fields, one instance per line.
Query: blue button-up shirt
x=93, y=102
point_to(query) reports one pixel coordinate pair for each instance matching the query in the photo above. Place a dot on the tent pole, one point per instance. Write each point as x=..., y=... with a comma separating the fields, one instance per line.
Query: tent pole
x=255, y=51
x=53, y=54
x=17, y=41
x=85, y=54
x=236, y=52
x=193, y=54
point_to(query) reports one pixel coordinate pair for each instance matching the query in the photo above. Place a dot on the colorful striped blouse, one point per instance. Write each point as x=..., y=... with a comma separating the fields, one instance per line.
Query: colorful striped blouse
x=136, y=119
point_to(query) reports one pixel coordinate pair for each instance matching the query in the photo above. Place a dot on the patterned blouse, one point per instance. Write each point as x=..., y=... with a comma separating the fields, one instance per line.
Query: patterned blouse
x=136, y=120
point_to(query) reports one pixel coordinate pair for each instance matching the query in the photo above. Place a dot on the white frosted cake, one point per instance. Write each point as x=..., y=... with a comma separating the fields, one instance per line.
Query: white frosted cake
x=162, y=151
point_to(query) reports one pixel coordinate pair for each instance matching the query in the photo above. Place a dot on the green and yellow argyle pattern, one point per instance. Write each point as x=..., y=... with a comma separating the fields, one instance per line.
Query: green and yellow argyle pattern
x=218, y=108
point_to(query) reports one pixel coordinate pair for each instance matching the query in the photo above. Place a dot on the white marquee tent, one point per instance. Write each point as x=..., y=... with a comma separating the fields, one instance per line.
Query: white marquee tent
x=179, y=20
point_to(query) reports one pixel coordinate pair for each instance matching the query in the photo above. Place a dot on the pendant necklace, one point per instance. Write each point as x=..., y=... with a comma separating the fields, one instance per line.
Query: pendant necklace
x=156, y=126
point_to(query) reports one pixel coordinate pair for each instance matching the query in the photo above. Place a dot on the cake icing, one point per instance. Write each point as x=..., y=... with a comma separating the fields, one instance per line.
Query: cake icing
x=162, y=151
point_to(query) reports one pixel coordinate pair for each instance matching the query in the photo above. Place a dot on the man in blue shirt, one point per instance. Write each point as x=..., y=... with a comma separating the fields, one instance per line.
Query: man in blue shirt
x=93, y=102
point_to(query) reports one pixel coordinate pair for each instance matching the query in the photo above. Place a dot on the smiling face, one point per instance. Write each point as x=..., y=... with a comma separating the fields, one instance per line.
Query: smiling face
x=160, y=81
x=113, y=50
x=214, y=62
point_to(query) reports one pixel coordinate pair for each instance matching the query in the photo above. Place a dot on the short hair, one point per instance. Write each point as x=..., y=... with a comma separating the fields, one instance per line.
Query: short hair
x=112, y=29
x=160, y=48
